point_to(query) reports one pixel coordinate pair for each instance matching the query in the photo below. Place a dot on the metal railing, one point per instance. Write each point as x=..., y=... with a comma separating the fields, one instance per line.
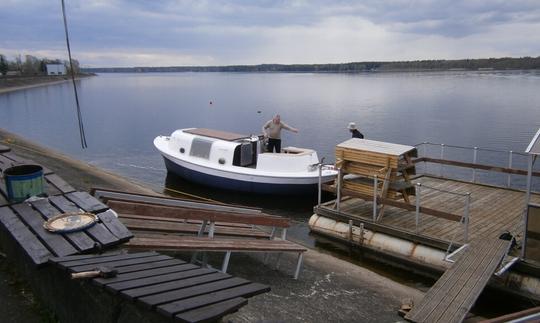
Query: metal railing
x=442, y=152
x=464, y=218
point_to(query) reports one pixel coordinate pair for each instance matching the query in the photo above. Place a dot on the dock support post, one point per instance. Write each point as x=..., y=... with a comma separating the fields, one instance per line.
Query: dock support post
x=211, y=230
x=527, y=200
x=509, y=180
x=466, y=217
x=442, y=157
x=339, y=180
x=226, y=262
x=320, y=186
x=424, y=154
x=475, y=157
x=417, y=215
x=350, y=231
x=375, y=184
x=298, y=265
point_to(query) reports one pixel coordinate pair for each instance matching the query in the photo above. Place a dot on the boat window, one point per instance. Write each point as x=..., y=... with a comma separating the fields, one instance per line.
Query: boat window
x=201, y=148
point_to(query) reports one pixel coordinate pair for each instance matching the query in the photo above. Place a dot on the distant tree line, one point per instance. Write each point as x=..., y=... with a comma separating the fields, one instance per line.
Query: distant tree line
x=506, y=63
x=31, y=65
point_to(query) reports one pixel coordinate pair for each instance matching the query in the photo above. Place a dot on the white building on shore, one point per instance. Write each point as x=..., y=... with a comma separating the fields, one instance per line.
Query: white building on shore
x=56, y=69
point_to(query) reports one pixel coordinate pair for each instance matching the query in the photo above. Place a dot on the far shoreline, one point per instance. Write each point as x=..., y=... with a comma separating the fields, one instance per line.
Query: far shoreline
x=39, y=82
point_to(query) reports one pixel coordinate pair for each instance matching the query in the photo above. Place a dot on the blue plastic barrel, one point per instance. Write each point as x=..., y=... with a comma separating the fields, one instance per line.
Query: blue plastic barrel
x=23, y=181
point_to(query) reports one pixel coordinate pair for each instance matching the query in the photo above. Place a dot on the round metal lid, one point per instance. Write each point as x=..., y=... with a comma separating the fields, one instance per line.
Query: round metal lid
x=70, y=222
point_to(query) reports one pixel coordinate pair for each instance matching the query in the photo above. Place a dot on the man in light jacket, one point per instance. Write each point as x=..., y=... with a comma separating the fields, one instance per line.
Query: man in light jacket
x=272, y=131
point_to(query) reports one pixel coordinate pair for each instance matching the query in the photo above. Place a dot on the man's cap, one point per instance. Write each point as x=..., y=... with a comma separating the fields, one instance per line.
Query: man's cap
x=351, y=126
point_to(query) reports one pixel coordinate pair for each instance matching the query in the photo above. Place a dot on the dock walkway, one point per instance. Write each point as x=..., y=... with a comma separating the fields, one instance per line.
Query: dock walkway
x=453, y=295
x=492, y=210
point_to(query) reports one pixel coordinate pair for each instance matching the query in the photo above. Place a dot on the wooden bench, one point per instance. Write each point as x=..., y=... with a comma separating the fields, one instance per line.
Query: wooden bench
x=253, y=242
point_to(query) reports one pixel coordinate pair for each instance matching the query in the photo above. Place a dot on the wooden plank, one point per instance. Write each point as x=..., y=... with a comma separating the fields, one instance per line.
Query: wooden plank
x=26, y=239
x=53, y=241
x=212, y=312
x=144, y=273
x=135, y=293
x=108, y=195
x=87, y=202
x=98, y=231
x=186, y=221
x=491, y=168
x=406, y=206
x=216, y=244
x=111, y=222
x=174, y=308
x=4, y=149
x=379, y=147
x=218, y=134
x=120, y=263
x=149, y=281
x=59, y=183
x=3, y=199
x=79, y=239
x=5, y=163
x=147, y=224
x=86, y=256
x=20, y=160
x=470, y=293
x=188, y=292
x=150, y=265
x=198, y=214
x=455, y=292
x=101, y=259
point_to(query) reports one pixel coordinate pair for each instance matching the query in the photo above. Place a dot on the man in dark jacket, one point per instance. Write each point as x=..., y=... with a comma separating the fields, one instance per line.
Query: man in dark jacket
x=355, y=133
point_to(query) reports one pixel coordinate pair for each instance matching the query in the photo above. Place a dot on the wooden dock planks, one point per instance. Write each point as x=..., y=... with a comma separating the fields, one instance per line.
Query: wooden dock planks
x=184, y=292
x=453, y=295
x=492, y=210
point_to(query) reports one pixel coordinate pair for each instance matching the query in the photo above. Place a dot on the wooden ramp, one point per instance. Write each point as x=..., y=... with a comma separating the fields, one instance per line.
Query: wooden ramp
x=453, y=295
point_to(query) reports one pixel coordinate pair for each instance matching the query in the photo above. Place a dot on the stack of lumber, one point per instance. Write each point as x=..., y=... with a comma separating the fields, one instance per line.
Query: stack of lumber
x=365, y=159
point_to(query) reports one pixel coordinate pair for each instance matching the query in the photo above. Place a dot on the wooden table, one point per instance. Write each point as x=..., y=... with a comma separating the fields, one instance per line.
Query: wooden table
x=24, y=223
x=172, y=287
x=391, y=165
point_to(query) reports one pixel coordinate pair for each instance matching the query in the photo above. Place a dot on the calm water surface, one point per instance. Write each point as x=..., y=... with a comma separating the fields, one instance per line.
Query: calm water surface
x=124, y=112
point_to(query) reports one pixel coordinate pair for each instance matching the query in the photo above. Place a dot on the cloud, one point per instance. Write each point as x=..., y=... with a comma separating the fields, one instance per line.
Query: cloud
x=218, y=32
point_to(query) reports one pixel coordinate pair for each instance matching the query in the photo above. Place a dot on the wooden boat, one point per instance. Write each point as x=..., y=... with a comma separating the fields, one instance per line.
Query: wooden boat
x=237, y=162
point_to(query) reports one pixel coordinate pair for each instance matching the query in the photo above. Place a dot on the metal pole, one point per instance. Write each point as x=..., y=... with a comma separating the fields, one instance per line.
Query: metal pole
x=425, y=155
x=509, y=180
x=475, y=156
x=320, y=186
x=442, y=156
x=527, y=199
x=375, y=184
x=417, y=192
x=466, y=217
x=338, y=201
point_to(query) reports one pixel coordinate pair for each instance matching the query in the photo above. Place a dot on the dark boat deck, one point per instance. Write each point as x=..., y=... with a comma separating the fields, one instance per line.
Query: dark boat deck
x=492, y=211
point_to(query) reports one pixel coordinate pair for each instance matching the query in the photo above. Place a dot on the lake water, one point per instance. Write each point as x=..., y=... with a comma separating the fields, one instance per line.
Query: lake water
x=124, y=112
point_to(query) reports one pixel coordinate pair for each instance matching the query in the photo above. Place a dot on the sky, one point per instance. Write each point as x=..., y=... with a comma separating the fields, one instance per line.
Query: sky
x=118, y=33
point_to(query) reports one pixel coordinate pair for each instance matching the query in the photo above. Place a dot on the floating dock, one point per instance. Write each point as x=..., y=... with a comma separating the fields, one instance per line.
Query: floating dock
x=388, y=202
